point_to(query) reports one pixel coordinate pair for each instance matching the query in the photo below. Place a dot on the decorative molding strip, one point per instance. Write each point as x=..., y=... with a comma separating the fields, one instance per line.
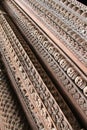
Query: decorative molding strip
x=72, y=81
x=11, y=113
x=52, y=35
x=66, y=24
x=30, y=85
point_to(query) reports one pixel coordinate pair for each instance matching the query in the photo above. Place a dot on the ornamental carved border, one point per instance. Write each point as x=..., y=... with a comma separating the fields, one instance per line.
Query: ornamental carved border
x=65, y=25
x=28, y=80
x=63, y=69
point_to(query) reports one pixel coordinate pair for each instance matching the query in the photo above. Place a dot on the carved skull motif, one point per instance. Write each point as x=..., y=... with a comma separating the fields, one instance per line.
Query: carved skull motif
x=45, y=43
x=63, y=63
x=79, y=81
x=50, y=49
x=70, y=72
x=56, y=56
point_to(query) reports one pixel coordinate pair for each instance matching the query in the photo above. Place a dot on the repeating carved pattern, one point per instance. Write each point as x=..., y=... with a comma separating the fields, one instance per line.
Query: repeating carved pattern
x=31, y=86
x=73, y=4
x=37, y=37
x=66, y=24
x=63, y=10
x=10, y=111
x=63, y=69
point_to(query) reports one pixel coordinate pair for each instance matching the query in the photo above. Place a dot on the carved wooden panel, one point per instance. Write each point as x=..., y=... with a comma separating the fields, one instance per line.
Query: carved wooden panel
x=57, y=34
